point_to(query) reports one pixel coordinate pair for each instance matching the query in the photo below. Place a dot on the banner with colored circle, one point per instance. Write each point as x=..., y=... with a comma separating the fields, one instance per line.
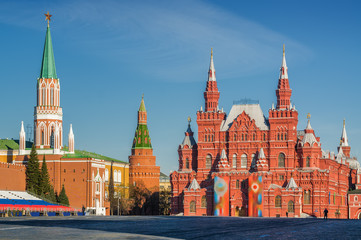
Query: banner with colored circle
x=255, y=196
x=221, y=196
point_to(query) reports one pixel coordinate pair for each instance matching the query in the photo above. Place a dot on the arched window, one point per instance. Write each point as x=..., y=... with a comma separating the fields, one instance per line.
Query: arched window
x=115, y=176
x=204, y=202
x=106, y=174
x=278, y=136
x=235, y=137
x=209, y=138
x=282, y=136
x=237, y=184
x=278, y=201
x=291, y=207
x=234, y=161
x=245, y=137
x=264, y=137
x=205, y=137
x=254, y=137
x=42, y=137
x=192, y=207
x=244, y=161
x=307, y=197
x=119, y=176
x=242, y=137
x=281, y=160
x=52, y=138
x=208, y=161
x=308, y=161
x=285, y=136
x=187, y=163
x=212, y=138
x=254, y=160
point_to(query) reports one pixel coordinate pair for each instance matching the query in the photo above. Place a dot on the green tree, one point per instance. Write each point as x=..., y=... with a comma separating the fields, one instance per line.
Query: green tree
x=52, y=196
x=140, y=195
x=164, y=202
x=63, y=198
x=44, y=181
x=111, y=190
x=33, y=172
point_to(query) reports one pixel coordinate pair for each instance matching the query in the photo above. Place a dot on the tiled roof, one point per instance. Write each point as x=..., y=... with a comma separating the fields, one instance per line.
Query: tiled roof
x=252, y=110
x=86, y=154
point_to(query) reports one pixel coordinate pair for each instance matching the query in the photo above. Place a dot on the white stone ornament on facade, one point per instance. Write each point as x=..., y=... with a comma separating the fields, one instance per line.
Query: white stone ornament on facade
x=71, y=139
x=22, y=140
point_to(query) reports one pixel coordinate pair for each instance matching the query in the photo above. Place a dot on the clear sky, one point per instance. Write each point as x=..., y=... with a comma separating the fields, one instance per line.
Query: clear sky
x=108, y=53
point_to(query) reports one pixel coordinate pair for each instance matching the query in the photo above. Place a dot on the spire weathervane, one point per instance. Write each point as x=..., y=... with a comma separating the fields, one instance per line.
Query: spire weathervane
x=47, y=17
x=308, y=116
x=211, y=52
x=189, y=120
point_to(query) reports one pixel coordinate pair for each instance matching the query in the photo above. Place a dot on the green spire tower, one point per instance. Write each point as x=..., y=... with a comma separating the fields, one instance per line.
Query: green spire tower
x=48, y=63
x=141, y=138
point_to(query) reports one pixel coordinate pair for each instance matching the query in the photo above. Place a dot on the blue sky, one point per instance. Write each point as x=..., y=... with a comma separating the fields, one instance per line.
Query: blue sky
x=108, y=53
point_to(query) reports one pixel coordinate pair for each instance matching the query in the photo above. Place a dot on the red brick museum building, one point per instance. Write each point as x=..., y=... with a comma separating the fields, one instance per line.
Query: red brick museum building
x=299, y=178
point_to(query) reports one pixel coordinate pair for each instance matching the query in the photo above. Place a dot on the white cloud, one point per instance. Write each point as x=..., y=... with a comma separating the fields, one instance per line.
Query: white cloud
x=169, y=39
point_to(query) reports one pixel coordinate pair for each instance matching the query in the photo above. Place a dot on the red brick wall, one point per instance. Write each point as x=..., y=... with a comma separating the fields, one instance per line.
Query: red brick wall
x=12, y=177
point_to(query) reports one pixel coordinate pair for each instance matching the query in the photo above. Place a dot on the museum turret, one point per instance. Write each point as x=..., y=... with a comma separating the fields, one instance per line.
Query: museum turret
x=187, y=151
x=283, y=122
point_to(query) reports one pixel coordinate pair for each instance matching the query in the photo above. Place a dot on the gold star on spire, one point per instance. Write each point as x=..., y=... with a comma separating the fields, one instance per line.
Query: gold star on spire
x=47, y=17
x=308, y=116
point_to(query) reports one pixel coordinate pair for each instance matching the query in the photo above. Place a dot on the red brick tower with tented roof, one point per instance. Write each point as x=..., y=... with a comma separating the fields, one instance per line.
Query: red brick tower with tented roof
x=142, y=166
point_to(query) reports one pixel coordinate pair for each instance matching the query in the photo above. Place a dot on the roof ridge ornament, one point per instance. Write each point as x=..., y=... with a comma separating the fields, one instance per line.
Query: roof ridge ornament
x=284, y=69
x=308, y=122
x=47, y=17
x=212, y=71
x=344, y=139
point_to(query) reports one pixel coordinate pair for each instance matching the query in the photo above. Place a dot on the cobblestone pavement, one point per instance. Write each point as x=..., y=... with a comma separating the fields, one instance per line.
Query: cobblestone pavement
x=163, y=227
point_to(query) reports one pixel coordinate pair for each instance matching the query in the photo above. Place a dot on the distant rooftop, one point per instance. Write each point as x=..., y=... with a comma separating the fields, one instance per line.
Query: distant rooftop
x=86, y=154
x=11, y=144
x=163, y=177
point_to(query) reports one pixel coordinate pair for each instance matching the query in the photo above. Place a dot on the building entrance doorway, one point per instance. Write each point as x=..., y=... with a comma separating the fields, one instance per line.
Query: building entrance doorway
x=237, y=212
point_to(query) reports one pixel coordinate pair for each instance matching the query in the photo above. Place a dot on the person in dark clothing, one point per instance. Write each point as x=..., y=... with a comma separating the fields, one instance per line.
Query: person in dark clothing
x=83, y=210
x=325, y=213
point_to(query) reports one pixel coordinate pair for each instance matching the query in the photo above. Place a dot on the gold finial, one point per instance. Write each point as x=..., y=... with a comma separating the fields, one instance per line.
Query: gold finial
x=308, y=116
x=283, y=49
x=189, y=120
x=343, y=122
x=211, y=52
x=47, y=17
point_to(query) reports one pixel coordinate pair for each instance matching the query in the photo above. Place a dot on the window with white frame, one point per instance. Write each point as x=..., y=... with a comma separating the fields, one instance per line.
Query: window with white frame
x=119, y=176
x=106, y=175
